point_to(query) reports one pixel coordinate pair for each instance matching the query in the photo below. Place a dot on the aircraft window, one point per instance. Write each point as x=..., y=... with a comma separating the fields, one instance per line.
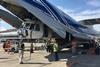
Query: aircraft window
x=27, y=25
x=32, y=26
x=37, y=28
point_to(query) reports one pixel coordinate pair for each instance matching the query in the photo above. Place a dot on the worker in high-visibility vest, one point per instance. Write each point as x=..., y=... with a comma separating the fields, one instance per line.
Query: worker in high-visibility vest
x=55, y=49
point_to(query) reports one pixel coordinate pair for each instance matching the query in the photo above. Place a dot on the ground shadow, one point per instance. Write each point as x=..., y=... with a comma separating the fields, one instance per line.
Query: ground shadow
x=4, y=58
x=62, y=55
x=36, y=63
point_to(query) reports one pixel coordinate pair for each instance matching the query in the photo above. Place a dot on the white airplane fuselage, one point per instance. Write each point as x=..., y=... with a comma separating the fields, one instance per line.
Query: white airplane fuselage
x=55, y=19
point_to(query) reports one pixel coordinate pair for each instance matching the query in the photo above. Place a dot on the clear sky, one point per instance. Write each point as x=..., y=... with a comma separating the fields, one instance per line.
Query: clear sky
x=4, y=25
x=78, y=9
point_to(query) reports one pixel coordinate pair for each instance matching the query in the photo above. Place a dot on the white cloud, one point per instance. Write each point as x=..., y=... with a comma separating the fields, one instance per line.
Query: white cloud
x=66, y=10
x=86, y=14
x=97, y=27
x=80, y=17
x=90, y=12
x=95, y=3
x=70, y=12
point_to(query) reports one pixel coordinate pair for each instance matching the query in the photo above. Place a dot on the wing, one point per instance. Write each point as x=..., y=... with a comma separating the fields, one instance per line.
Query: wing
x=9, y=17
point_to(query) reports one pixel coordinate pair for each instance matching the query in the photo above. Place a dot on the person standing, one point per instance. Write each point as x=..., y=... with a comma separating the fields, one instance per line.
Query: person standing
x=7, y=46
x=55, y=49
x=48, y=46
x=74, y=47
x=21, y=53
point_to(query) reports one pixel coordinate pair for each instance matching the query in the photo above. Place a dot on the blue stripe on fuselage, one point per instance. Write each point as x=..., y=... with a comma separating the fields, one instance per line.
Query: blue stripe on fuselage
x=58, y=16
x=38, y=5
x=54, y=11
x=63, y=18
x=46, y=6
x=74, y=24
